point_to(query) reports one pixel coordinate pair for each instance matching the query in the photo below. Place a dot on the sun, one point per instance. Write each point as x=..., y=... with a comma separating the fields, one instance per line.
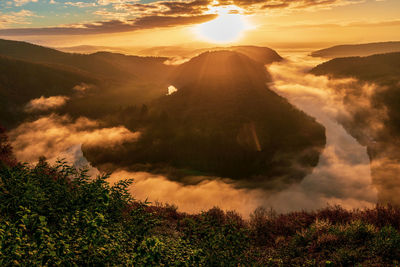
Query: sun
x=226, y=28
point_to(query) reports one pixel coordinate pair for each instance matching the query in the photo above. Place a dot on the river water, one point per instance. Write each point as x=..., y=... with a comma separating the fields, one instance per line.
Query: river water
x=343, y=175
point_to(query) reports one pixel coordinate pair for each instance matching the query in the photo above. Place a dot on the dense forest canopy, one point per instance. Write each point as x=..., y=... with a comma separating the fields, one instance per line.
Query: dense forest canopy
x=221, y=122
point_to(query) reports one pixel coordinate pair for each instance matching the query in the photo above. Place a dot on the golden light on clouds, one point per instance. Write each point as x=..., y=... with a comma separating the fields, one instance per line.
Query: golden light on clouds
x=228, y=27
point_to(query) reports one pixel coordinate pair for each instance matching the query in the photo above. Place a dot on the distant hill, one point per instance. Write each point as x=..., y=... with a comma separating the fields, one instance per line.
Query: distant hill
x=223, y=121
x=358, y=50
x=102, y=64
x=382, y=68
x=375, y=120
x=90, y=49
x=261, y=54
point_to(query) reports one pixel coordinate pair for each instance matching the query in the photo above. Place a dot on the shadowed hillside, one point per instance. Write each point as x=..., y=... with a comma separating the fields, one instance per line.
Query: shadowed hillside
x=375, y=111
x=357, y=50
x=223, y=121
x=101, y=64
x=21, y=81
x=29, y=71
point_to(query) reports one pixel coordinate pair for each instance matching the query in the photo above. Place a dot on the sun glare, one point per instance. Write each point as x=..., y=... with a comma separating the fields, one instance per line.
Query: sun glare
x=226, y=28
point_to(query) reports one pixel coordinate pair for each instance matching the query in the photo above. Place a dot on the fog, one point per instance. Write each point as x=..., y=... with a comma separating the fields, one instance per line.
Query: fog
x=59, y=137
x=343, y=175
x=46, y=103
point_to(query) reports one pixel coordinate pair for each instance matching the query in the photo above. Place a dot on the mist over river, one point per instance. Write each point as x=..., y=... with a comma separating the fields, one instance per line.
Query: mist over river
x=342, y=175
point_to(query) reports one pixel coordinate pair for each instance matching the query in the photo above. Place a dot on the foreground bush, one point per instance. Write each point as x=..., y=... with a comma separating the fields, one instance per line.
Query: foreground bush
x=57, y=215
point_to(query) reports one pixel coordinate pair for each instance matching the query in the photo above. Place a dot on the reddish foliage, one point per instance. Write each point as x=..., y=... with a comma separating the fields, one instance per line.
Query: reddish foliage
x=167, y=212
x=382, y=216
x=336, y=214
x=267, y=229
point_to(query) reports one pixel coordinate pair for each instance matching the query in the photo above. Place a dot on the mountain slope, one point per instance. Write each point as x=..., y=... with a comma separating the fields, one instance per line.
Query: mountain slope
x=376, y=68
x=121, y=80
x=102, y=64
x=223, y=121
x=357, y=50
x=21, y=81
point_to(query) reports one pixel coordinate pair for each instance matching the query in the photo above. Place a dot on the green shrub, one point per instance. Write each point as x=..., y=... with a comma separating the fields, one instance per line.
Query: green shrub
x=57, y=215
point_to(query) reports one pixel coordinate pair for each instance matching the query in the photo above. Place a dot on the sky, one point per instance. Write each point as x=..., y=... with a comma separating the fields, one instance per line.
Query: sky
x=144, y=23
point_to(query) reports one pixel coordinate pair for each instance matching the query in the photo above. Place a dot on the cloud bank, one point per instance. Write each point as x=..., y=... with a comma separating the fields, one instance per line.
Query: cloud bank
x=343, y=175
x=56, y=137
x=125, y=16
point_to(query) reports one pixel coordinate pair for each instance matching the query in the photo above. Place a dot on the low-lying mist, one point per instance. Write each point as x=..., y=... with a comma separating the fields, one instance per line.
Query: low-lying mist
x=342, y=176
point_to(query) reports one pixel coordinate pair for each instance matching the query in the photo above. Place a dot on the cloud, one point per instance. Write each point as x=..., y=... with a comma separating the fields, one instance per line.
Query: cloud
x=110, y=26
x=169, y=8
x=354, y=24
x=80, y=4
x=19, y=17
x=82, y=89
x=124, y=16
x=53, y=136
x=192, y=198
x=345, y=172
x=57, y=137
x=172, y=89
x=343, y=175
x=23, y=2
x=46, y=103
x=111, y=15
x=351, y=188
x=108, y=2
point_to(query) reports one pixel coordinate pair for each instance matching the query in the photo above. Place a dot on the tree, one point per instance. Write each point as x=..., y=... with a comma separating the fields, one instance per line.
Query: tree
x=6, y=156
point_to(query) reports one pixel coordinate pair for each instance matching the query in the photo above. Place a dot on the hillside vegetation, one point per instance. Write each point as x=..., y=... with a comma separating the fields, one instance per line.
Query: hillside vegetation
x=57, y=215
x=101, y=64
x=29, y=71
x=21, y=81
x=117, y=81
x=223, y=121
